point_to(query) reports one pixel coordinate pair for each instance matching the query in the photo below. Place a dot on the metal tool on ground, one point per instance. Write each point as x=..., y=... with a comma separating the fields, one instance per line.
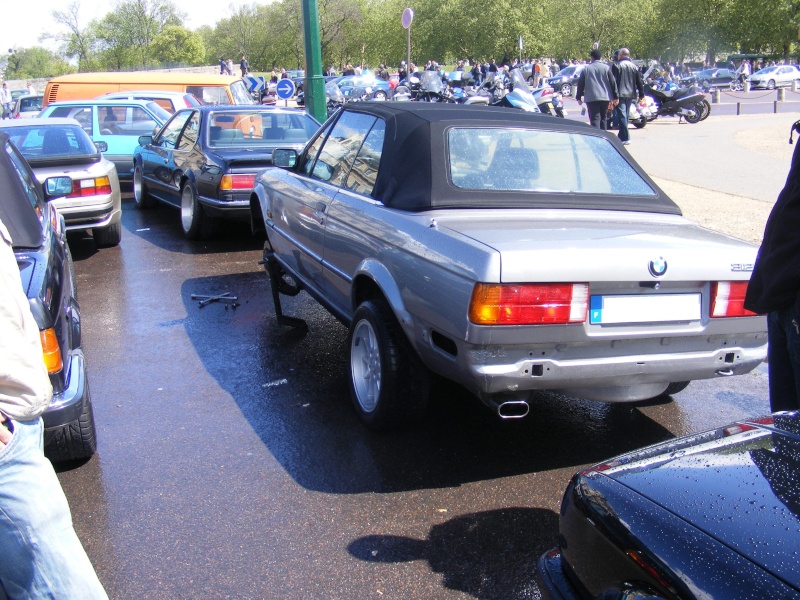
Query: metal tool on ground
x=225, y=297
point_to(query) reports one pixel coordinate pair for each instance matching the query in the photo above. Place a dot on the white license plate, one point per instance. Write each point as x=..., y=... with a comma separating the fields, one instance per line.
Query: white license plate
x=662, y=308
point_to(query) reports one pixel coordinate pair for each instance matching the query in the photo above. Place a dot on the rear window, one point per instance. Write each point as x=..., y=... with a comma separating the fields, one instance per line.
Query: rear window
x=533, y=160
x=44, y=141
x=259, y=128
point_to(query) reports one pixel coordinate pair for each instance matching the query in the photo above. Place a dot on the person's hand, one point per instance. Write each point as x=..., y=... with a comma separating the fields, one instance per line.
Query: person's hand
x=5, y=434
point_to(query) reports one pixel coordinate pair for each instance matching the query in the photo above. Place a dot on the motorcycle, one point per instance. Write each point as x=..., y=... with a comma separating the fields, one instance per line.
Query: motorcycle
x=682, y=102
x=494, y=92
x=642, y=111
x=549, y=101
x=431, y=88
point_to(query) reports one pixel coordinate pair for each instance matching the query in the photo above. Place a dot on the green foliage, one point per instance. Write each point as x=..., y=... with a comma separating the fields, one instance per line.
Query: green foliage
x=176, y=45
x=32, y=63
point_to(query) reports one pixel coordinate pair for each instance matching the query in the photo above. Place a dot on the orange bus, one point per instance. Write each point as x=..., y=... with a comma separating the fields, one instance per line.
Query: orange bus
x=211, y=89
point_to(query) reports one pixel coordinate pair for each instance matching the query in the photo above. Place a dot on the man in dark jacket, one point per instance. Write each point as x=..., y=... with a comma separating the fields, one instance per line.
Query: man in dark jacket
x=629, y=87
x=597, y=84
x=774, y=289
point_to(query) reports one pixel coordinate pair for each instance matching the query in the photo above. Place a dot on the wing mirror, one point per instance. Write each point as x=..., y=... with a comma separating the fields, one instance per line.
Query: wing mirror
x=144, y=140
x=284, y=157
x=101, y=146
x=57, y=186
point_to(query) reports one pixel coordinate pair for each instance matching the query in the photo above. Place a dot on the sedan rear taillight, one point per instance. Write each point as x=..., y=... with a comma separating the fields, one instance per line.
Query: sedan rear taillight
x=90, y=187
x=51, y=351
x=529, y=303
x=727, y=299
x=237, y=182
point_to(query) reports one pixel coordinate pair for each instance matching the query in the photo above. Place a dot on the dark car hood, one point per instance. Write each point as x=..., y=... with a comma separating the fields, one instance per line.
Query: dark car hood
x=739, y=485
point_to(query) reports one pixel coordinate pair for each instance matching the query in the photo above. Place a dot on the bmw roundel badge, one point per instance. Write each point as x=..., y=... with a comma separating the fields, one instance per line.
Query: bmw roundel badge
x=657, y=267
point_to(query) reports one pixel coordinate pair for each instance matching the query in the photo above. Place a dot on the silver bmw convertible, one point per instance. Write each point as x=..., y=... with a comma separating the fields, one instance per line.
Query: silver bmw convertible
x=505, y=251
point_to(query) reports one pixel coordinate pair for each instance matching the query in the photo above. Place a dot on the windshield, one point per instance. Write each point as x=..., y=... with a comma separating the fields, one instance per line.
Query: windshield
x=45, y=141
x=158, y=111
x=534, y=160
x=766, y=70
x=430, y=81
x=333, y=92
x=259, y=128
x=518, y=80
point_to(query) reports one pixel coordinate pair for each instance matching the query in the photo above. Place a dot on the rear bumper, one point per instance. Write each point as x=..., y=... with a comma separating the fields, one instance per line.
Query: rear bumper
x=66, y=405
x=553, y=583
x=236, y=208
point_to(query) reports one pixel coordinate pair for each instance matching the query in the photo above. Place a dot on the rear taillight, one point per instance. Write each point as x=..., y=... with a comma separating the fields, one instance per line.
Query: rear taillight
x=237, y=182
x=529, y=304
x=50, y=351
x=727, y=299
x=90, y=187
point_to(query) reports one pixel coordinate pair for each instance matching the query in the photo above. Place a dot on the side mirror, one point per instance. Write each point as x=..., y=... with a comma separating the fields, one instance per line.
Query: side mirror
x=101, y=146
x=144, y=140
x=57, y=186
x=284, y=157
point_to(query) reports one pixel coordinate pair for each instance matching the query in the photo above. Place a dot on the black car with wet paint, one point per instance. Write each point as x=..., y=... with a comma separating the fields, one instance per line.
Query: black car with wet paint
x=205, y=159
x=711, y=515
x=39, y=242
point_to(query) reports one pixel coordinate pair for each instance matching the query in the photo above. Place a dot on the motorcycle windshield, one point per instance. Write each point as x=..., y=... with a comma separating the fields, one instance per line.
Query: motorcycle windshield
x=431, y=82
x=333, y=92
x=518, y=80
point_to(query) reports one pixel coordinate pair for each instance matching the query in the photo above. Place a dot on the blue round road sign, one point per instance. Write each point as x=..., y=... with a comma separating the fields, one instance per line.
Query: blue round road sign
x=285, y=89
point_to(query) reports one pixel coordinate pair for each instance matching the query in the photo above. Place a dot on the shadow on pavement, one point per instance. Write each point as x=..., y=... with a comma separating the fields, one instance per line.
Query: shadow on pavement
x=292, y=387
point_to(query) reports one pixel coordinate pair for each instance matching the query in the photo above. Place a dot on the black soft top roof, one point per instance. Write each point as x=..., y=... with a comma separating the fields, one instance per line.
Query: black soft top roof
x=414, y=166
x=16, y=211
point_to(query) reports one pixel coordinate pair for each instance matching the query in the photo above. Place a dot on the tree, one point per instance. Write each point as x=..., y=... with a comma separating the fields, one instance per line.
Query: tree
x=177, y=45
x=138, y=22
x=77, y=42
x=34, y=63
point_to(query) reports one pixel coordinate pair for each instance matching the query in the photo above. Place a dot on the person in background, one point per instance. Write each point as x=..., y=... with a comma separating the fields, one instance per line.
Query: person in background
x=629, y=87
x=222, y=66
x=596, y=84
x=229, y=66
x=5, y=101
x=41, y=556
x=244, y=65
x=31, y=88
x=774, y=290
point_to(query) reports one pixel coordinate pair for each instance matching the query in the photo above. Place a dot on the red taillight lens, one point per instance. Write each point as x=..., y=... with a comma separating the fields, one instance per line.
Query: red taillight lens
x=90, y=187
x=237, y=182
x=528, y=304
x=727, y=299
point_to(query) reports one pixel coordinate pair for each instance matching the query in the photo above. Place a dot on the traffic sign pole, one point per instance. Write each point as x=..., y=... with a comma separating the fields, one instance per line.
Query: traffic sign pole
x=316, y=103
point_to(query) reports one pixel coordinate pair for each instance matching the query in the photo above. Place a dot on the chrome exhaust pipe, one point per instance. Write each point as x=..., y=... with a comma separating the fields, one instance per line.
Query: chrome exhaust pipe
x=513, y=409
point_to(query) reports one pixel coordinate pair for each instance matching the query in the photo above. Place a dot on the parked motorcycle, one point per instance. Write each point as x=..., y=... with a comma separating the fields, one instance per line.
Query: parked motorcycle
x=682, y=102
x=549, y=101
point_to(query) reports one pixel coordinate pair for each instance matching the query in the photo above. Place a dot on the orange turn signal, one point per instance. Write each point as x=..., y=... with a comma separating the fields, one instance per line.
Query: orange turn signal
x=50, y=351
x=529, y=303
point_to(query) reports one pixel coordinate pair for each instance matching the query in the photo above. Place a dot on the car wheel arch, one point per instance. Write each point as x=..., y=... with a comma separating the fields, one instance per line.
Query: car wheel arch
x=372, y=279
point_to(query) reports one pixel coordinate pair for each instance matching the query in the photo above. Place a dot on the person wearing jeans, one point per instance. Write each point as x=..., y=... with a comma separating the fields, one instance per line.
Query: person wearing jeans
x=40, y=554
x=629, y=87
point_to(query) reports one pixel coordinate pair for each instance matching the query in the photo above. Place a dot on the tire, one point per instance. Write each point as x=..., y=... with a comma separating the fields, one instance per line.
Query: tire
x=389, y=385
x=194, y=221
x=74, y=441
x=140, y=195
x=706, y=108
x=531, y=80
x=771, y=84
x=639, y=123
x=677, y=387
x=698, y=114
x=380, y=95
x=559, y=112
x=108, y=237
x=566, y=89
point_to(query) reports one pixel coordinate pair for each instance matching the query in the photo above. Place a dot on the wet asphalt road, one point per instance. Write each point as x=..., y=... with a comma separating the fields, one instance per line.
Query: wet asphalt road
x=231, y=465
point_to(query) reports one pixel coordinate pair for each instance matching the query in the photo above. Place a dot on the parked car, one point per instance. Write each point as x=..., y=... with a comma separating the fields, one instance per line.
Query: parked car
x=710, y=515
x=566, y=80
x=776, y=76
x=169, y=101
x=298, y=77
x=56, y=147
x=710, y=78
x=26, y=106
x=45, y=264
x=380, y=89
x=205, y=159
x=503, y=250
x=118, y=123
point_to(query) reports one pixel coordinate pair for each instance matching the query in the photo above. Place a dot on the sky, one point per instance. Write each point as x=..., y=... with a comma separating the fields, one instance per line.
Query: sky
x=21, y=28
